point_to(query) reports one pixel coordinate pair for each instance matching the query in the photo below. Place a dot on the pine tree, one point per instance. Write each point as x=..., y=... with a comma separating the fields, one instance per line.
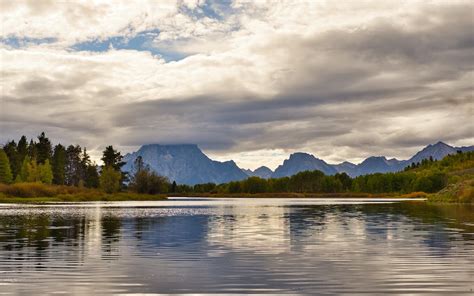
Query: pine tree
x=73, y=172
x=22, y=149
x=85, y=163
x=45, y=172
x=10, y=149
x=32, y=151
x=173, y=187
x=43, y=148
x=59, y=164
x=5, y=170
x=92, y=176
x=112, y=158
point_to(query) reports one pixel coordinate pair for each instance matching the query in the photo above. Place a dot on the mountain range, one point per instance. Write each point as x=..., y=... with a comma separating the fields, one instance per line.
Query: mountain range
x=187, y=164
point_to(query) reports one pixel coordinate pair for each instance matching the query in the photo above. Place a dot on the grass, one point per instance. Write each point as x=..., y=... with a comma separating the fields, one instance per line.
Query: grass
x=459, y=192
x=40, y=193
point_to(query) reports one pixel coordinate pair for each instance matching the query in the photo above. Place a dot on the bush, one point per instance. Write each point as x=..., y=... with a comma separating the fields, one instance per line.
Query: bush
x=110, y=180
x=29, y=190
x=148, y=182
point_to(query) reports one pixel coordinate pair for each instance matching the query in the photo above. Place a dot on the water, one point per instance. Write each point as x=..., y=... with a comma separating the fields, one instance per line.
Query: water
x=237, y=246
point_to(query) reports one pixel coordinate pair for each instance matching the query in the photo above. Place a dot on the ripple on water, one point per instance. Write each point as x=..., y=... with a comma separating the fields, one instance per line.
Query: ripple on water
x=234, y=246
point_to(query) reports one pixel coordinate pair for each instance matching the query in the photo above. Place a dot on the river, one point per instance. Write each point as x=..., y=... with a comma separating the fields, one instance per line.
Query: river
x=200, y=245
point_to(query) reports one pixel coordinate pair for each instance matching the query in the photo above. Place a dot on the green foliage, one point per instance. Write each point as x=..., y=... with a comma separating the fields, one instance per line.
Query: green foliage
x=254, y=185
x=22, y=148
x=204, y=188
x=74, y=167
x=45, y=172
x=91, y=177
x=59, y=164
x=6, y=176
x=173, y=187
x=33, y=174
x=110, y=180
x=145, y=181
x=112, y=158
x=43, y=149
x=23, y=174
x=32, y=150
x=11, y=151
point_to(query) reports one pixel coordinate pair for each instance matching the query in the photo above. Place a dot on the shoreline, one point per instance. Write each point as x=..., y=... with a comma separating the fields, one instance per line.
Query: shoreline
x=123, y=196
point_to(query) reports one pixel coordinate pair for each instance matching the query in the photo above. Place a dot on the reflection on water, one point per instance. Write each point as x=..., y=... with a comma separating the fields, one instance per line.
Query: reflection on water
x=232, y=246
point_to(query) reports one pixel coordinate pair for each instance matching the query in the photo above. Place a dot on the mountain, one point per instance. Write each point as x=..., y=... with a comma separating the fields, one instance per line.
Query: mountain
x=347, y=167
x=262, y=172
x=380, y=164
x=437, y=151
x=299, y=162
x=185, y=164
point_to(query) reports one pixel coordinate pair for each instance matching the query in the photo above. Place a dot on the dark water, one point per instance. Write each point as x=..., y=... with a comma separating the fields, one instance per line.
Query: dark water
x=237, y=246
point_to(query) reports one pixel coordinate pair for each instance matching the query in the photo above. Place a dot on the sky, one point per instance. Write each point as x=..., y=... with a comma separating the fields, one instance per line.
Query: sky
x=251, y=81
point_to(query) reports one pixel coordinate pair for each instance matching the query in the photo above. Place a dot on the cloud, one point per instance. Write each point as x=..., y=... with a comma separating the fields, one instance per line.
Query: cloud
x=341, y=80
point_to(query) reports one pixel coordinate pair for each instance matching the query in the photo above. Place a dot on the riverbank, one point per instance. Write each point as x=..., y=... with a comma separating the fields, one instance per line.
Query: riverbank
x=301, y=195
x=41, y=193
x=460, y=192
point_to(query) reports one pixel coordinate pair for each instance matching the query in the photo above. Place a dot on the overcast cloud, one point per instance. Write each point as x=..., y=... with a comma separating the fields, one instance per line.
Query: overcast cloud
x=246, y=80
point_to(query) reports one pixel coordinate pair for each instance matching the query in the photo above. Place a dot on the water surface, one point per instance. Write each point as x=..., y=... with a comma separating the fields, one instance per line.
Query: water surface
x=295, y=246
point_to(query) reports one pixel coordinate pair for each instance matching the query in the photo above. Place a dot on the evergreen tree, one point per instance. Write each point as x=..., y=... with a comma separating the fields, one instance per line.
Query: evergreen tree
x=85, y=163
x=89, y=173
x=22, y=148
x=32, y=151
x=10, y=149
x=5, y=170
x=43, y=148
x=174, y=187
x=73, y=171
x=59, y=164
x=92, y=176
x=112, y=158
x=45, y=172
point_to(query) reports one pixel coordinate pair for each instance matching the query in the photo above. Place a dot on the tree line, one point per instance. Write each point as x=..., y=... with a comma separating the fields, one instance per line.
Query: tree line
x=427, y=176
x=38, y=160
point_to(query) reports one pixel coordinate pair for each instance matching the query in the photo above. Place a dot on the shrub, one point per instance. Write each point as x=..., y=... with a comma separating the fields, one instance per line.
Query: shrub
x=110, y=180
x=29, y=190
x=148, y=182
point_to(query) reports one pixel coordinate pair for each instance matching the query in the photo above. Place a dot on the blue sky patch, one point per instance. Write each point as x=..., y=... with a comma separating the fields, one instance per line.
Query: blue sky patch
x=23, y=42
x=141, y=42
